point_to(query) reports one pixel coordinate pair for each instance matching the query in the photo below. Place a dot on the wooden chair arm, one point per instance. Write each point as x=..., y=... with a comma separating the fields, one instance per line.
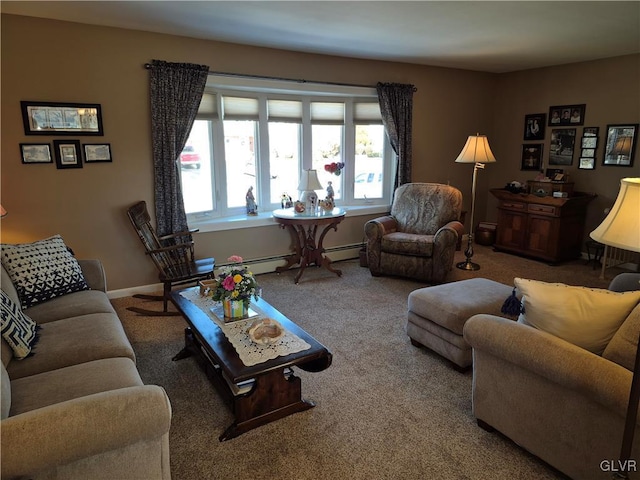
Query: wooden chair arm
x=182, y=246
x=179, y=234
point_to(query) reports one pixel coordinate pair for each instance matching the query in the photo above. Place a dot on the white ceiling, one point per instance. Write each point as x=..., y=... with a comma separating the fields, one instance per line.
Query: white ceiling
x=494, y=36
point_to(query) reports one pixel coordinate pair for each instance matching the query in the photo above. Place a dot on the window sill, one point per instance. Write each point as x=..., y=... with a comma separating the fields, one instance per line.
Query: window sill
x=266, y=218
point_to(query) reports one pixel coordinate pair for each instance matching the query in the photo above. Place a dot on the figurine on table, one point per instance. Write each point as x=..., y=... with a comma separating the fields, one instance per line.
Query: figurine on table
x=330, y=192
x=327, y=204
x=252, y=207
x=286, y=201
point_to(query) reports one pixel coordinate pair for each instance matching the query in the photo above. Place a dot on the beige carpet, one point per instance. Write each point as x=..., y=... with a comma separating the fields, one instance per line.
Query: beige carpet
x=385, y=409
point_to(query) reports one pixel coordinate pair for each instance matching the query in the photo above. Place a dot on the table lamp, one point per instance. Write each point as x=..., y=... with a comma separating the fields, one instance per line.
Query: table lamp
x=476, y=151
x=621, y=229
x=308, y=184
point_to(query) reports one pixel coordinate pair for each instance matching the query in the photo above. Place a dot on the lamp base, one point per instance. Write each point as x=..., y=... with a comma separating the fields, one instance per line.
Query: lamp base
x=310, y=199
x=468, y=265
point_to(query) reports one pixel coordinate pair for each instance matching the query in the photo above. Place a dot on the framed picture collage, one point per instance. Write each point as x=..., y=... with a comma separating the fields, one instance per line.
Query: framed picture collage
x=619, y=142
x=63, y=119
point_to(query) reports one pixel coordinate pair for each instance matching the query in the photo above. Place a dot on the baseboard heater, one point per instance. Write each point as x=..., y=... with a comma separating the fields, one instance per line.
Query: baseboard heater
x=258, y=266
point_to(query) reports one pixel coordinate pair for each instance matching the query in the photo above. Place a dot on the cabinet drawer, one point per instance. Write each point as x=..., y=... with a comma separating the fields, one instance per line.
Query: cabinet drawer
x=542, y=209
x=521, y=207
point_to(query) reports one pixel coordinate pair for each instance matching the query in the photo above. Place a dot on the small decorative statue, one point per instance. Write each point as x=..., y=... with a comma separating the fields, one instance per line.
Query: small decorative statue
x=330, y=192
x=252, y=206
x=299, y=207
x=285, y=201
x=327, y=204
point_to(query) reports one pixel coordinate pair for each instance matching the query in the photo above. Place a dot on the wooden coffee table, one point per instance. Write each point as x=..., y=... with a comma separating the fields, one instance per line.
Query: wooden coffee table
x=257, y=394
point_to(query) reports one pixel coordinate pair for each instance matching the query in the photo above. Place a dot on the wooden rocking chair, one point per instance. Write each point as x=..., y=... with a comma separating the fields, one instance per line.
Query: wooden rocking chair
x=172, y=254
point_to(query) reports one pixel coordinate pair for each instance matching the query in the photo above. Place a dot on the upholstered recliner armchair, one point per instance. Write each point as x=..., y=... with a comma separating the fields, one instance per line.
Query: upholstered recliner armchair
x=418, y=239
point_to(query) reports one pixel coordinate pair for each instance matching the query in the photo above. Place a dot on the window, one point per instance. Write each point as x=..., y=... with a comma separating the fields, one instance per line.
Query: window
x=263, y=133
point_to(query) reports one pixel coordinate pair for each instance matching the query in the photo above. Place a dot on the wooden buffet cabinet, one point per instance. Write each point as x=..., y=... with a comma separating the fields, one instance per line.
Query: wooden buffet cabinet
x=546, y=228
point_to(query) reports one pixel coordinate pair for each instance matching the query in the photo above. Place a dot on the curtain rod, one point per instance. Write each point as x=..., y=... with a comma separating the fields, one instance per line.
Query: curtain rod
x=297, y=80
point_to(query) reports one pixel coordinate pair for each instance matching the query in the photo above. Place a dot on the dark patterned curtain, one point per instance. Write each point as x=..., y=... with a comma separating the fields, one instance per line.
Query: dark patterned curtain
x=176, y=90
x=396, y=106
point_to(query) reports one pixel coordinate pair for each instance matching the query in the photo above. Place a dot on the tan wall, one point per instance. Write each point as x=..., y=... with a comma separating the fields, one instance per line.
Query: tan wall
x=59, y=61
x=608, y=87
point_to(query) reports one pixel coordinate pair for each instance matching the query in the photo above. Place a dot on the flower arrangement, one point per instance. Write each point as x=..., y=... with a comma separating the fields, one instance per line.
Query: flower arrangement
x=334, y=167
x=235, y=282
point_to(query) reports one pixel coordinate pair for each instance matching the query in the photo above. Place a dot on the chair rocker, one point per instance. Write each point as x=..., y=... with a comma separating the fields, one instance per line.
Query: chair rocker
x=172, y=254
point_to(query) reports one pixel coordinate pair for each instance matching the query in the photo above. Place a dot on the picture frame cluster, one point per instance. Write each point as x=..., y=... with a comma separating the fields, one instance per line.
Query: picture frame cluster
x=67, y=153
x=63, y=119
x=534, y=129
x=588, y=146
x=619, y=148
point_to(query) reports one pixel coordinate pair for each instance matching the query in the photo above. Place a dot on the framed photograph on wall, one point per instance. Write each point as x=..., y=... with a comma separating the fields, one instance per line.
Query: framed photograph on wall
x=35, y=153
x=587, y=163
x=531, y=156
x=534, y=126
x=566, y=115
x=588, y=145
x=97, y=152
x=68, y=153
x=590, y=131
x=561, y=146
x=621, y=145
x=59, y=118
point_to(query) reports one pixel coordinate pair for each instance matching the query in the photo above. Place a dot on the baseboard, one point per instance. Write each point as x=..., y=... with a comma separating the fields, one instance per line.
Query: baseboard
x=258, y=266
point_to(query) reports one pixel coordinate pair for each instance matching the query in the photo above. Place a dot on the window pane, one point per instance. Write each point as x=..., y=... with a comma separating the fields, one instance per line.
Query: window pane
x=368, y=161
x=326, y=144
x=284, y=148
x=240, y=155
x=195, y=168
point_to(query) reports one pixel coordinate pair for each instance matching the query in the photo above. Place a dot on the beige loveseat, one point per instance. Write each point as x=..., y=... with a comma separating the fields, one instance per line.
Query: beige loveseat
x=77, y=408
x=559, y=401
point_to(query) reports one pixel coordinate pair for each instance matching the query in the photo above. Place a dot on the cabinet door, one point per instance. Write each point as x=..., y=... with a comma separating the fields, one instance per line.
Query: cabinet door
x=512, y=227
x=541, y=238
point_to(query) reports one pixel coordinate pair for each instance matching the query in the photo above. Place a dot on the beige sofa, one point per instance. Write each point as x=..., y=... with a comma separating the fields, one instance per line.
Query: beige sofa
x=77, y=408
x=562, y=403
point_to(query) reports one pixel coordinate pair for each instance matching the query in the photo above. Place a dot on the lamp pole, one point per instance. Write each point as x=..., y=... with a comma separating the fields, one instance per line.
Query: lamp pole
x=468, y=264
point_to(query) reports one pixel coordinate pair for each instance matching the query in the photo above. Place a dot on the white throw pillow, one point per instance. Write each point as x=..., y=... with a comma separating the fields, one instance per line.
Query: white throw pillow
x=18, y=330
x=587, y=317
x=42, y=270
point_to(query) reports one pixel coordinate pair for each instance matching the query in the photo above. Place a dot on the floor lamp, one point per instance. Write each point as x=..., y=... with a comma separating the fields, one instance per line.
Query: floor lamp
x=478, y=152
x=621, y=229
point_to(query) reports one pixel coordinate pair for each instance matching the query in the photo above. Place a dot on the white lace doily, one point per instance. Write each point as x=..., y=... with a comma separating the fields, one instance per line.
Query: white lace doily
x=250, y=353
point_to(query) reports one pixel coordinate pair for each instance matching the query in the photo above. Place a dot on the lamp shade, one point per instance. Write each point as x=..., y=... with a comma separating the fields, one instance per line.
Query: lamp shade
x=3, y=212
x=476, y=150
x=621, y=228
x=309, y=181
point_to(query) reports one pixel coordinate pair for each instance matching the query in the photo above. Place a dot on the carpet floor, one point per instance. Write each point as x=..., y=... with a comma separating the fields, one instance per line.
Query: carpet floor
x=384, y=409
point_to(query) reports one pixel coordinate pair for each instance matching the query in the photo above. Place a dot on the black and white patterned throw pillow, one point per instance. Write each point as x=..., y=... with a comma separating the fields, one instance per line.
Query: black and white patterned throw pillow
x=42, y=270
x=19, y=331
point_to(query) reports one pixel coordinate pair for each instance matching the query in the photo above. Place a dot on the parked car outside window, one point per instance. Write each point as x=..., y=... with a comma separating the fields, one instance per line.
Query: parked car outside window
x=189, y=158
x=368, y=185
